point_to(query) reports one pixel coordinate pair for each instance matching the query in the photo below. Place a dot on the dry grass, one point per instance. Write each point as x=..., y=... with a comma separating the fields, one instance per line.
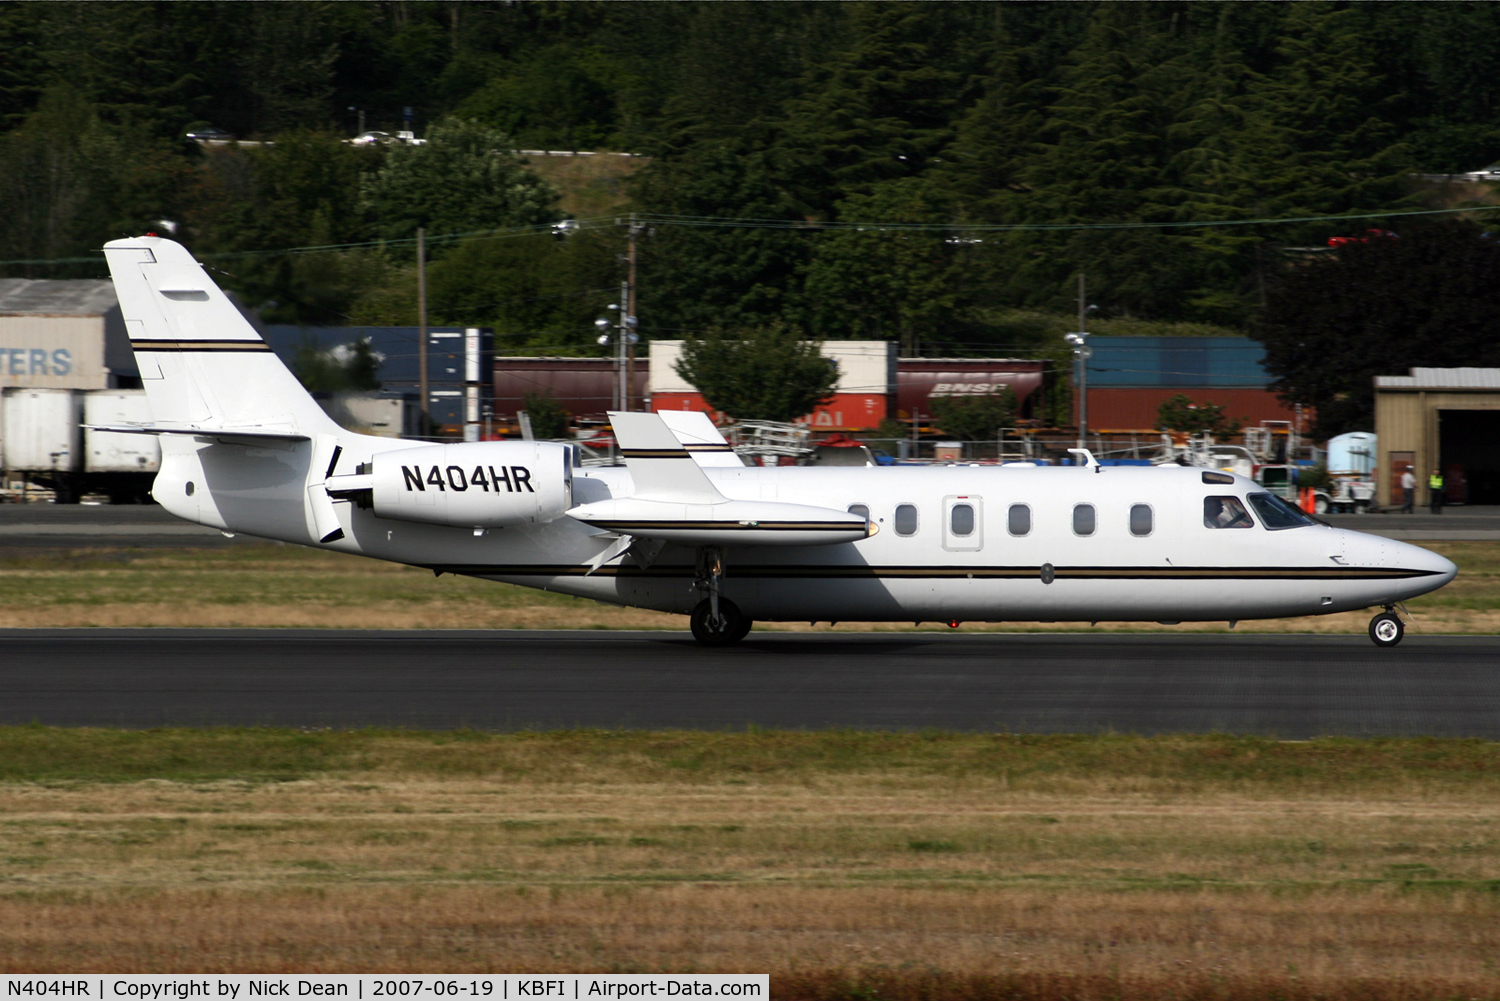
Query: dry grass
x=288, y=586
x=590, y=185
x=847, y=865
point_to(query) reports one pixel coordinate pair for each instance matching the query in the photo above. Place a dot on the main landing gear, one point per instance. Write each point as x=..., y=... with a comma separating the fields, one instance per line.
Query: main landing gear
x=1386, y=629
x=716, y=621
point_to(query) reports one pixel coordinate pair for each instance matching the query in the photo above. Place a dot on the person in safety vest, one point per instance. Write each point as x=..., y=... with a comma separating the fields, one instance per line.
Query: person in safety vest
x=1435, y=491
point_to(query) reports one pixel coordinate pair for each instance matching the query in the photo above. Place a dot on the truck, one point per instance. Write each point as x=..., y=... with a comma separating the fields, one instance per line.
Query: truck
x=44, y=441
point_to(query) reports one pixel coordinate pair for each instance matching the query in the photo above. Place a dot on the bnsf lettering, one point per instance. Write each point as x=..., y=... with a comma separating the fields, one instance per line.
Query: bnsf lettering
x=515, y=479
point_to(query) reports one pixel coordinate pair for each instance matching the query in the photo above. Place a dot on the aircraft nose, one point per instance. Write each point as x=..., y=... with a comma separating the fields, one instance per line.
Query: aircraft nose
x=1440, y=568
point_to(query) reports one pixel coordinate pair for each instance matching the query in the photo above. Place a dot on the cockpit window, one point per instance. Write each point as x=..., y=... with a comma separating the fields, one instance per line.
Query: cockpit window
x=1276, y=513
x=1226, y=512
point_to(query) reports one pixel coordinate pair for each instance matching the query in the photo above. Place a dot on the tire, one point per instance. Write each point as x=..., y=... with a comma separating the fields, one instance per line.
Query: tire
x=1320, y=505
x=1386, y=629
x=732, y=626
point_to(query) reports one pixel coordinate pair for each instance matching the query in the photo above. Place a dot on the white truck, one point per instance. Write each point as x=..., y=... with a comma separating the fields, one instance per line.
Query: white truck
x=43, y=441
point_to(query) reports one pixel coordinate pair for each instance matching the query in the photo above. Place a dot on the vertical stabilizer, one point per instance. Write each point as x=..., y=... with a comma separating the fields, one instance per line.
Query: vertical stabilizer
x=201, y=362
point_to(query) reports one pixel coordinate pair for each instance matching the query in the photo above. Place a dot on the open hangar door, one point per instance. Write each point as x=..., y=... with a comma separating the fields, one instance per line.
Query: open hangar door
x=1469, y=447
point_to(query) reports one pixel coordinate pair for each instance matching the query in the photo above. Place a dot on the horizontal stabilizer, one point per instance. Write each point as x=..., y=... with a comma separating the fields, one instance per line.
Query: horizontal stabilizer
x=199, y=431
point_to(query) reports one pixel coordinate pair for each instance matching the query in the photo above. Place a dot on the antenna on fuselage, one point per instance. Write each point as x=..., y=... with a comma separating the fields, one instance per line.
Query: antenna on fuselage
x=1088, y=458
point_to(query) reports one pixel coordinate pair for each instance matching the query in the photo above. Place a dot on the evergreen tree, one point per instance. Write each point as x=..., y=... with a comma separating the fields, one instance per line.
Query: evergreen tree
x=693, y=278
x=1430, y=297
x=465, y=178
x=894, y=284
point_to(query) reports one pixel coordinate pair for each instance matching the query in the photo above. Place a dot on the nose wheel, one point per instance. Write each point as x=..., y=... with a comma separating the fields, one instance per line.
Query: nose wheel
x=1386, y=629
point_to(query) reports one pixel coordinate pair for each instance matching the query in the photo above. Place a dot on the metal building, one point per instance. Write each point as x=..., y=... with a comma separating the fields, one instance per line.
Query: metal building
x=1440, y=418
x=63, y=334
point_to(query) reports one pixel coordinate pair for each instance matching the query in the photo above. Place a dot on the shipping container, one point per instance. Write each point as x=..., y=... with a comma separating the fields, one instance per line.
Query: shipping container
x=63, y=334
x=40, y=430
x=111, y=452
x=1130, y=409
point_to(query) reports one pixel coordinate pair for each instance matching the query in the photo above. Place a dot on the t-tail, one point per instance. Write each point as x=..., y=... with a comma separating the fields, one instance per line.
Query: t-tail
x=211, y=379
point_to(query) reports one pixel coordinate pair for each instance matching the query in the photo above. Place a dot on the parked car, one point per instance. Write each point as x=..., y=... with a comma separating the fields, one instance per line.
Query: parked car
x=1370, y=234
x=210, y=134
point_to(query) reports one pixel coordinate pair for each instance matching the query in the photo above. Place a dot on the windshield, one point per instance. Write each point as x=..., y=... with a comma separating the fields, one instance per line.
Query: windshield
x=1276, y=513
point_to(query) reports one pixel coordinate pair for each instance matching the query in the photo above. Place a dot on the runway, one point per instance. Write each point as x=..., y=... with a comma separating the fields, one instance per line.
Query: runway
x=1285, y=686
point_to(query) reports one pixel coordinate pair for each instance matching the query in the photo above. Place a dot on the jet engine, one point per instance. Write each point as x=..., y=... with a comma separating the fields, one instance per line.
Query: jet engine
x=480, y=484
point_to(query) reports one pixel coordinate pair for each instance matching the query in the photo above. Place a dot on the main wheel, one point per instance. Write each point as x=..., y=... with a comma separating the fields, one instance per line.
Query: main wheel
x=730, y=629
x=1386, y=629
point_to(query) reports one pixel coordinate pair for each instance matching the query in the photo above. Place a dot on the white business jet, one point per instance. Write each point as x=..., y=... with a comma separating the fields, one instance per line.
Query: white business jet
x=684, y=527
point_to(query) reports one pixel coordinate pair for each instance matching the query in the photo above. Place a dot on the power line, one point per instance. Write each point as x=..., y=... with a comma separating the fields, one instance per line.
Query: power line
x=796, y=225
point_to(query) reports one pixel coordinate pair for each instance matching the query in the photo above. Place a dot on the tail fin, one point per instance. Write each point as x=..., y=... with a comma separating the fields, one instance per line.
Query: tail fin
x=201, y=362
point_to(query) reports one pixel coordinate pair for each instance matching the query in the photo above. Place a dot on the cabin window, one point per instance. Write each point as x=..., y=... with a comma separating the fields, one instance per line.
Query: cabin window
x=860, y=509
x=1226, y=512
x=1140, y=520
x=906, y=519
x=1276, y=514
x=961, y=520
x=1083, y=519
x=1019, y=521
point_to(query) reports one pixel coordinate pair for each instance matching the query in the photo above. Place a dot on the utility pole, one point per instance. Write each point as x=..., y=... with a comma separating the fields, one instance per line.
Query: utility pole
x=425, y=417
x=623, y=354
x=1083, y=367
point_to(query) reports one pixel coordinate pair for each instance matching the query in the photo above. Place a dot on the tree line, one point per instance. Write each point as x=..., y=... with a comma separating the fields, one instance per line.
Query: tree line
x=799, y=113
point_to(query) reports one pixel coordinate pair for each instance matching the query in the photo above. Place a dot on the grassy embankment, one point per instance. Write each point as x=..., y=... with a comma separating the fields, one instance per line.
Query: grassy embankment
x=273, y=585
x=845, y=864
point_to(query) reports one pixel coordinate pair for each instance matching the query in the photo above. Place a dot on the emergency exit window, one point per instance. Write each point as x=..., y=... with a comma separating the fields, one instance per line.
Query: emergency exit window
x=961, y=520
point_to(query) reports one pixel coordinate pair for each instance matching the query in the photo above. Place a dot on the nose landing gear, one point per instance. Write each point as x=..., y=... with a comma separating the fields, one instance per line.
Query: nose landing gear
x=1386, y=629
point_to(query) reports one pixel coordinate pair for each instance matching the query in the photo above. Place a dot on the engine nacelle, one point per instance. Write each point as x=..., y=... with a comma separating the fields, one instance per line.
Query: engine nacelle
x=478, y=484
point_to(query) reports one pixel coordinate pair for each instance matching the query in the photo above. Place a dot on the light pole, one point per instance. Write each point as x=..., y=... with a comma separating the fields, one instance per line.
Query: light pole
x=1079, y=339
x=1081, y=354
x=623, y=339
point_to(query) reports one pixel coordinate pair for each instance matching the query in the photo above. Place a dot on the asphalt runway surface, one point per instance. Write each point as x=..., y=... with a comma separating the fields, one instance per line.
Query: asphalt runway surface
x=1285, y=686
